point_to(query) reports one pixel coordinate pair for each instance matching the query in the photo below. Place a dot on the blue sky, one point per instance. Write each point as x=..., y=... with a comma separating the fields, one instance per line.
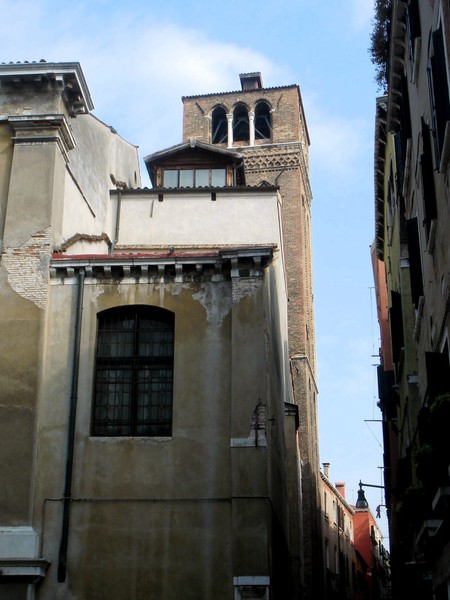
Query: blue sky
x=141, y=56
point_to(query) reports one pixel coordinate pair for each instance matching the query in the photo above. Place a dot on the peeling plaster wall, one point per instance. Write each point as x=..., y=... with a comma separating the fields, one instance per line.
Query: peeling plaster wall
x=20, y=323
x=216, y=300
x=43, y=180
x=210, y=395
x=179, y=515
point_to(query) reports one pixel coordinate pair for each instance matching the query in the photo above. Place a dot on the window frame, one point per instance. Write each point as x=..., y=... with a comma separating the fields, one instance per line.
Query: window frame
x=439, y=90
x=134, y=372
x=212, y=174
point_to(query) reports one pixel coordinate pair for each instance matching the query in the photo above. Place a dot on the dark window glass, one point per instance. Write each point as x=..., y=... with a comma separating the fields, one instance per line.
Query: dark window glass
x=413, y=25
x=219, y=126
x=440, y=98
x=438, y=374
x=263, y=127
x=134, y=372
x=241, y=126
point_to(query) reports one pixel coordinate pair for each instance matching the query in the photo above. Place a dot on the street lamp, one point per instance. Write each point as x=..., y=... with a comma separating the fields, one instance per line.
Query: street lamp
x=362, y=502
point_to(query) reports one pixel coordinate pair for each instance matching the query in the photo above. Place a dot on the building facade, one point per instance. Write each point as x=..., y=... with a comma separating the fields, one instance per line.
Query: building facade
x=339, y=548
x=411, y=258
x=268, y=127
x=357, y=563
x=156, y=395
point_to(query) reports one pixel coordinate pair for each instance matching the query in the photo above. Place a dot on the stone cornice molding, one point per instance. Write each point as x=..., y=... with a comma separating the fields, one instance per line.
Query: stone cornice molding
x=68, y=77
x=218, y=266
x=25, y=570
x=43, y=129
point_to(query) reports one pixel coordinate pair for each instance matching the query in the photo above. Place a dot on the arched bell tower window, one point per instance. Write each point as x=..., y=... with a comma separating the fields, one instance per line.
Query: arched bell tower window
x=241, y=129
x=219, y=126
x=263, y=125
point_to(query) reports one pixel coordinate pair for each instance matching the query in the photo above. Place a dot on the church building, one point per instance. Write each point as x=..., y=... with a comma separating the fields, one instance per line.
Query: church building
x=158, y=413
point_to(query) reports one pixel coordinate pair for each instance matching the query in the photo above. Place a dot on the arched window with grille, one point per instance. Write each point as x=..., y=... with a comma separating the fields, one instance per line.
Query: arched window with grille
x=219, y=133
x=241, y=129
x=134, y=372
x=263, y=125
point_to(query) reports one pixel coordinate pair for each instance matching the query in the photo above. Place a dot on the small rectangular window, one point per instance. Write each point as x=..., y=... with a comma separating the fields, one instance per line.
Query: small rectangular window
x=189, y=178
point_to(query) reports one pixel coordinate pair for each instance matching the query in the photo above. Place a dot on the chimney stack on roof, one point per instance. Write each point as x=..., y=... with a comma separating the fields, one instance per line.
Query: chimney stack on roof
x=251, y=81
x=340, y=486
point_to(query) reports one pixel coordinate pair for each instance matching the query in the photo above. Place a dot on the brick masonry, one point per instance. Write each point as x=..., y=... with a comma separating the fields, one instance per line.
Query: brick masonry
x=283, y=161
x=27, y=267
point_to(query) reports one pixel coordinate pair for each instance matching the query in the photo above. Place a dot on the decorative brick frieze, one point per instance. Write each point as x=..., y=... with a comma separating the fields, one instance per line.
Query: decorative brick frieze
x=278, y=158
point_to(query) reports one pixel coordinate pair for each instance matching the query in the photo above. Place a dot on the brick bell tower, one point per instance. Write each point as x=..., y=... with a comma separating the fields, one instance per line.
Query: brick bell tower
x=268, y=127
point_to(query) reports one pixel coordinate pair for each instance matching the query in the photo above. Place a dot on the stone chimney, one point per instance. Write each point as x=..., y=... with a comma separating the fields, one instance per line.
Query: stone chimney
x=340, y=486
x=326, y=469
x=251, y=81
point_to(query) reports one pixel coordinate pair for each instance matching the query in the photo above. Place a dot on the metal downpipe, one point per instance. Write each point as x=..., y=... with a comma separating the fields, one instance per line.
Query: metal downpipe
x=67, y=496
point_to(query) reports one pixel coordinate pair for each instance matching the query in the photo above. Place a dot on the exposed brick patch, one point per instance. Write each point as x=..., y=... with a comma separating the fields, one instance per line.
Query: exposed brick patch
x=28, y=266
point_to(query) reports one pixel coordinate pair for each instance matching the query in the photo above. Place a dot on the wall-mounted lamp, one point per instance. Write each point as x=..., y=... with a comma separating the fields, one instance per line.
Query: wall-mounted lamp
x=362, y=502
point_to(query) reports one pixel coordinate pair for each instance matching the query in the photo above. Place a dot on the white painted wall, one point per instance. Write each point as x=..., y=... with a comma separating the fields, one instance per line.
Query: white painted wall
x=195, y=220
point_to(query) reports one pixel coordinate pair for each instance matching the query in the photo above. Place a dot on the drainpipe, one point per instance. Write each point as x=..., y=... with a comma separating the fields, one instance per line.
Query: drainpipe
x=67, y=496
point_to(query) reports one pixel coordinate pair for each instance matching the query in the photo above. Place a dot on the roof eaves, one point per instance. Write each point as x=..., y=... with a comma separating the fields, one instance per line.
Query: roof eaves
x=193, y=143
x=255, y=91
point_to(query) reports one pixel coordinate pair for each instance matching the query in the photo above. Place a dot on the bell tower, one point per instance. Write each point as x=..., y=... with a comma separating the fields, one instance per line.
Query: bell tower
x=268, y=127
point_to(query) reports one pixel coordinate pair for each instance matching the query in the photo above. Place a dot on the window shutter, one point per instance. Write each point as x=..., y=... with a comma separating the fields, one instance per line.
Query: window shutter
x=415, y=260
x=440, y=86
x=429, y=193
x=438, y=374
x=396, y=318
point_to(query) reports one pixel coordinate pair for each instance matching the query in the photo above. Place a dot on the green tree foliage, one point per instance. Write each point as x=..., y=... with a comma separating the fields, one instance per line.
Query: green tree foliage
x=379, y=42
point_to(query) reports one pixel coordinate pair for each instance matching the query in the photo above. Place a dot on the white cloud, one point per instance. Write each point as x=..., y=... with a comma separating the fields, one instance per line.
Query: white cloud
x=162, y=64
x=137, y=68
x=337, y=143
